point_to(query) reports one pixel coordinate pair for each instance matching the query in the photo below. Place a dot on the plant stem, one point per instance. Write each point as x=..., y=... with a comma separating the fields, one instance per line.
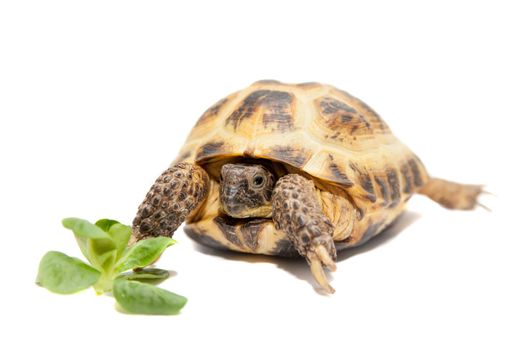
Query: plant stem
x=104, y=283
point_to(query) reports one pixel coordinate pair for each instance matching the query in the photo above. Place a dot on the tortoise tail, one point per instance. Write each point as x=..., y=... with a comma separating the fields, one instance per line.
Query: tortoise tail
x=452, y=195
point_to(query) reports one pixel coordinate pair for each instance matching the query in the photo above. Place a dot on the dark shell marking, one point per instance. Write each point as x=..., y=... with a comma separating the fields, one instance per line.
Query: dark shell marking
x=382, y=188
x=277, y=108
x=331, y=106
x=365, y=181
x=210, y=149
x=415, y=172
x=366, y=108
x=203, y=238
x=250, y=232
x=389, y=187
x=293, y=156
x=337, y=175
x=407, y=179
x=393, y=182
x=344, y=120
x=227, y=227
x=285, y=248
x=249, y=229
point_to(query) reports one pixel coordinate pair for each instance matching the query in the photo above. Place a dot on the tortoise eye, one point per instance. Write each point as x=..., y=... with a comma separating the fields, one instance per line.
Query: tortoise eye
x=258, y=181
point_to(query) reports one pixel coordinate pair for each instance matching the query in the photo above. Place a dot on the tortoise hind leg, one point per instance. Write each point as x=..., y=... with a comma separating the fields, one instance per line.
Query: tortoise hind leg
x=296, y=210
x=174, y=195
x=452, y=195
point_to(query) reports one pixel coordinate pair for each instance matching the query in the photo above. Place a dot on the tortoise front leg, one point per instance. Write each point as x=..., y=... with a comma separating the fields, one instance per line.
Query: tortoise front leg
x=175, y=193
x=297, y=211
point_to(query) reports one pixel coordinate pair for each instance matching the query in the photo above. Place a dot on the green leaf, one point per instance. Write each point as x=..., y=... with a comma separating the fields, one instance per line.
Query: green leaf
x=143, y=253
x=84, y=248
x=63, y=274
x=140, y=298
x=84, y=228
x=118, y=232
x=101, y=248
x=150, y=275
x=105, y=224
x=120, y=235
x=102, y=253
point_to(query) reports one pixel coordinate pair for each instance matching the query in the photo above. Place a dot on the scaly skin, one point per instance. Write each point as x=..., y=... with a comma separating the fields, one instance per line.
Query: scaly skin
x=297, y=211
x=452, y=195
x=175, y=193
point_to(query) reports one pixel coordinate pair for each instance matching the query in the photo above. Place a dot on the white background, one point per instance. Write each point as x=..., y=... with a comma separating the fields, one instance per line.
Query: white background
x=96, y=98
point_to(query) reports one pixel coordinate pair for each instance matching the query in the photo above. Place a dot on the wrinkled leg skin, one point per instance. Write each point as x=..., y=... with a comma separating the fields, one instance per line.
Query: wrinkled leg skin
x=452, y=195
x=297, y=211
x=175, y=193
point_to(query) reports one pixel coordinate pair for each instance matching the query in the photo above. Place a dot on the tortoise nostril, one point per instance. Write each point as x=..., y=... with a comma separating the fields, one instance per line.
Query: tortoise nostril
x=230, y=191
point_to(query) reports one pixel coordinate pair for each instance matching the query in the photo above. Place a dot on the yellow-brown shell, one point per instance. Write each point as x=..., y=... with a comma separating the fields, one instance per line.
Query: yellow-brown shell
x=317, y=129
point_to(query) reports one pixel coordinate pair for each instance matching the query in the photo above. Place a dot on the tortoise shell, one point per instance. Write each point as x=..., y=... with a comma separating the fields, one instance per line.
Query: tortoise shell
x=317, y=130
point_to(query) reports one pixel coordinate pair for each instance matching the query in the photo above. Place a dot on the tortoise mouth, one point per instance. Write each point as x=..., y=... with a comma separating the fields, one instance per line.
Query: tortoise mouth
x=227, y=220
x=238, y=212
x=234, y=210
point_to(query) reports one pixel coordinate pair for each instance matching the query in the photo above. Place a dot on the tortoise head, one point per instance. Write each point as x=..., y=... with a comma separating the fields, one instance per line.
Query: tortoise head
x=246, y=190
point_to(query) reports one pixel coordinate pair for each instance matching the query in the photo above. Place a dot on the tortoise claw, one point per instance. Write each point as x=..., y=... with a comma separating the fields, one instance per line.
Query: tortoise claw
x=319, y=257
x=484, y=194
x=481, y=205
x=316, y=266
x=325, y=257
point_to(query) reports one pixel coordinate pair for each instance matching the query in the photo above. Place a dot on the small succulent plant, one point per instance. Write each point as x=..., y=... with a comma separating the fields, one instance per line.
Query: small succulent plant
x=114, y=267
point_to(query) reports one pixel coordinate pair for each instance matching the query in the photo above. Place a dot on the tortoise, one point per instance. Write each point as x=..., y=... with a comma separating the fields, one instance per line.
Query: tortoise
x=290, y=170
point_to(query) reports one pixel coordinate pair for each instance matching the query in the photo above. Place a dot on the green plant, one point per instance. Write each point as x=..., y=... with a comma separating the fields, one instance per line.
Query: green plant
x=115, y=267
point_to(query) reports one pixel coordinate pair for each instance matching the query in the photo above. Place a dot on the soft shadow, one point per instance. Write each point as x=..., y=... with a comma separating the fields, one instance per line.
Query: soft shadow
x=232, y=255
x=297, y=266
x=121, y=310
x=406, y=219
x=172, y=273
